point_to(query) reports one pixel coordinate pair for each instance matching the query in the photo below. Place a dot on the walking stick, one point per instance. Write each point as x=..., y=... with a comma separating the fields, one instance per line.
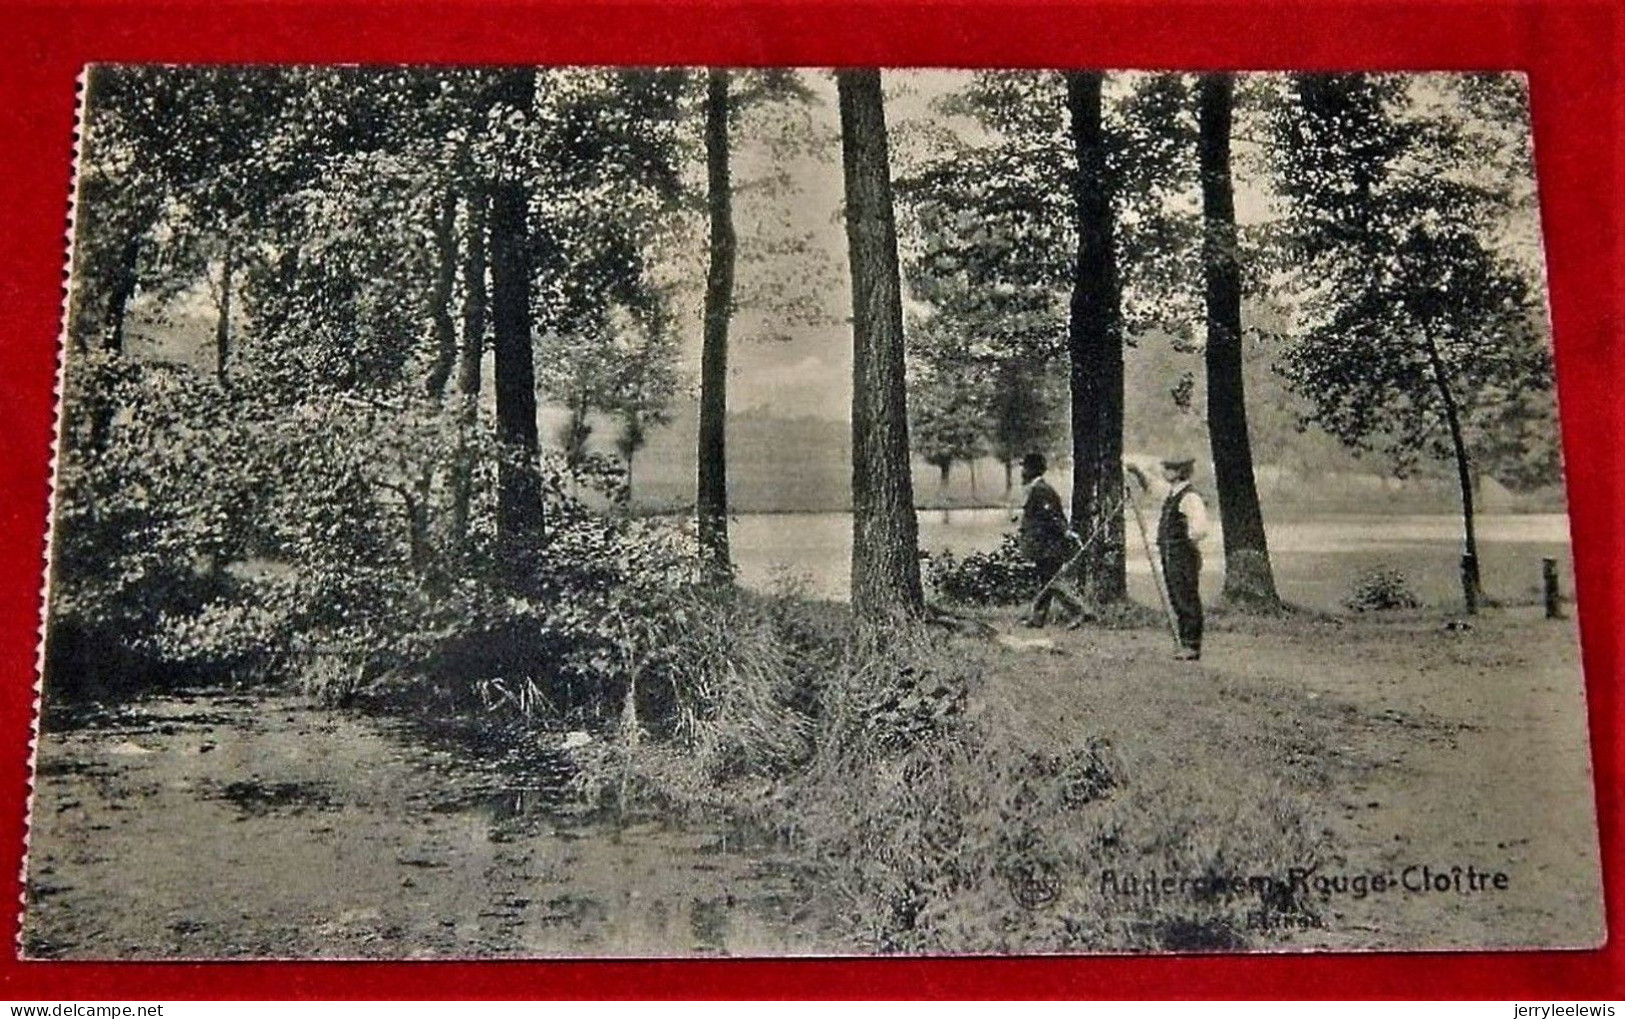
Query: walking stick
x=1156, y=571
x=1050, y=584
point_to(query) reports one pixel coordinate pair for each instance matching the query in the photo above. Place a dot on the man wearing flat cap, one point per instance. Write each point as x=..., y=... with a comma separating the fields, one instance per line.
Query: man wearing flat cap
x=1181, y=526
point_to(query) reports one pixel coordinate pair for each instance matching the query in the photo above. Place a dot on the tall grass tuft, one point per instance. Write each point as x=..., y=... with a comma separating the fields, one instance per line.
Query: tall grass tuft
x=926, y=817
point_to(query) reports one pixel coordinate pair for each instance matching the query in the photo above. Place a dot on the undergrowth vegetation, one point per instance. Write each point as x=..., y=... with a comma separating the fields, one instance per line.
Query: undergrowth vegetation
x=1000, y=576
x=216, y=532
x=1380, y=589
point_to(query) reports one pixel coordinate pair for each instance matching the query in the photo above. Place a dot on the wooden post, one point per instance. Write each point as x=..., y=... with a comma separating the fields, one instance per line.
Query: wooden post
x=1554, y=597
x=1469, y=581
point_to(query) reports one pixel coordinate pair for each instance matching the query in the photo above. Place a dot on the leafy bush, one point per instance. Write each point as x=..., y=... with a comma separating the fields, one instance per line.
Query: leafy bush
x=206, y=531
x=1002, y=576
x=561, y=636
x=143, y=520
x=1380, y=589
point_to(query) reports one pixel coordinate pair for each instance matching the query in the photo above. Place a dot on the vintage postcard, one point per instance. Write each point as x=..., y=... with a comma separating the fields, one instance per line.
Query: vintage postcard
x=544, y=512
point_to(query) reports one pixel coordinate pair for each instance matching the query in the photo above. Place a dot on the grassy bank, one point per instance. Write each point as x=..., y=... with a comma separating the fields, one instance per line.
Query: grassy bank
x=933, y=810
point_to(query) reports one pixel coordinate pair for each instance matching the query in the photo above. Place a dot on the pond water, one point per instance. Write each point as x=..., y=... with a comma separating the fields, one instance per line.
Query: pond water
x=215, y=824
x=1316, y=561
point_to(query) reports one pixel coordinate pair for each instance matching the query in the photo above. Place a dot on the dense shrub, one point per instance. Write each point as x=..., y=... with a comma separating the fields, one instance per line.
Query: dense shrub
x=1381, y=588
x=1002, y=576
x=143, y=521
x=209, y=531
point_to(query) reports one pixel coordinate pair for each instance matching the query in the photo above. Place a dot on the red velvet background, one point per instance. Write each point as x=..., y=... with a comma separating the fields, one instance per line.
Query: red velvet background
x=1573, y=50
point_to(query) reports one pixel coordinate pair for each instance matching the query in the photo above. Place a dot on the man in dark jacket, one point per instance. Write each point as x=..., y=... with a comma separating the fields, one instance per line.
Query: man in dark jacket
x=1045, y=539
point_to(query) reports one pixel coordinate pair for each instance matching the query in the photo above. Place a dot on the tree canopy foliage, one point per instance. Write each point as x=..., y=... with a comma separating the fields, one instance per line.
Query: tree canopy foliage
x=1420, y=336
x=1396, y=203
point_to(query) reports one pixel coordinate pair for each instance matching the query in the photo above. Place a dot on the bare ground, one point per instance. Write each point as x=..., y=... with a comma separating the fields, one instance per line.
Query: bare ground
x=234, y=825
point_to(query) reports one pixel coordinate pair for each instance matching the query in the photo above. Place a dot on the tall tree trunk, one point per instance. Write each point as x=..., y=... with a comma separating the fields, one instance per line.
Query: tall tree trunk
x=1095, y=344
x=417, y=520
x=885, y=531
x=519, y=497
x=270, y=318
x=712, y=492
x=222, y=326
x=472, y=353
x=469, y=359
x=100, y=411
x=445, y=331
x=1471, y=588
x=1248, y=578
x=519, y=492
x=118, y=300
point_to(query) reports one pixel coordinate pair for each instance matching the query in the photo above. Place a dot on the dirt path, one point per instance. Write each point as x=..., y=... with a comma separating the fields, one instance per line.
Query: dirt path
x=214, y=826
x=1488, y=767
x=1413, y=744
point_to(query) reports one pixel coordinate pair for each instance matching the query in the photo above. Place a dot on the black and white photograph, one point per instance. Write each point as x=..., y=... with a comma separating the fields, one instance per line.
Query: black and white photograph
x=534, y=512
